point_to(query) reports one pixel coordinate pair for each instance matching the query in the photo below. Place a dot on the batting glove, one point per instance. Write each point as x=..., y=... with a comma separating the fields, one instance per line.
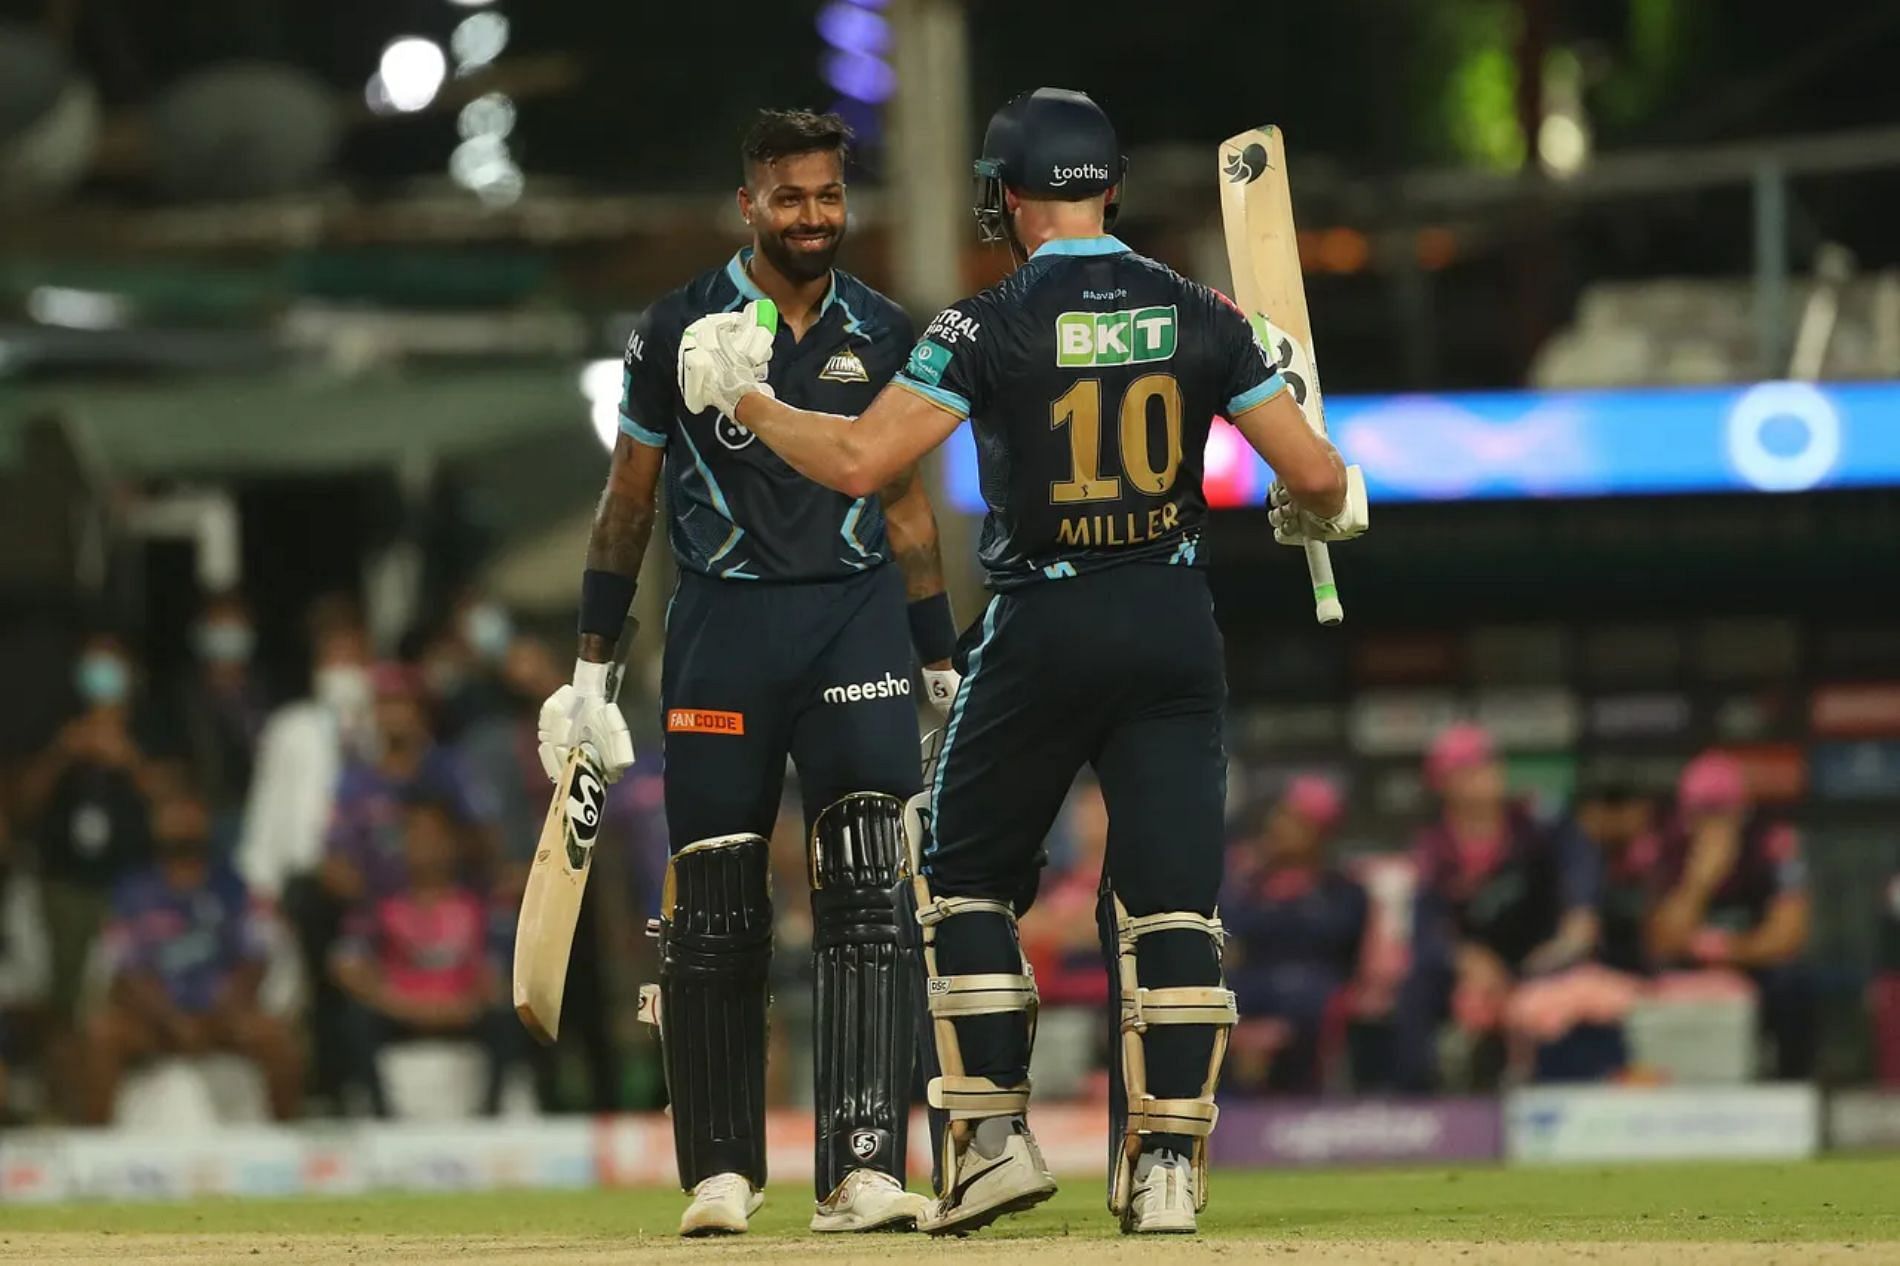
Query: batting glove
x=582, y=714
x=723, y=358
x=1295, y=526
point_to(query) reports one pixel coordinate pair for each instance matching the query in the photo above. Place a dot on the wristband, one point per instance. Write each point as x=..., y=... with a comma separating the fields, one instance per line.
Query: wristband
x=606, y=597
x=933, y=629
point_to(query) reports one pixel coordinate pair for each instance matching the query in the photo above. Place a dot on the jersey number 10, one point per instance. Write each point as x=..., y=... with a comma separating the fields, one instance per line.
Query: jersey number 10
x=1080, y=409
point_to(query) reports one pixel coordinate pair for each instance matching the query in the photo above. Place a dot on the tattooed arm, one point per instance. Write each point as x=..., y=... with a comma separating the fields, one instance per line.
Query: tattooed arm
x=623, y=523
x=912, y=527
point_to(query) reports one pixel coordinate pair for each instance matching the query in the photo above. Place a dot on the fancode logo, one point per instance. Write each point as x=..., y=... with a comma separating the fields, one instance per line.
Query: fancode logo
x=703, y=721
x=892, y=686
x=1246, y=166
x=1132, y=337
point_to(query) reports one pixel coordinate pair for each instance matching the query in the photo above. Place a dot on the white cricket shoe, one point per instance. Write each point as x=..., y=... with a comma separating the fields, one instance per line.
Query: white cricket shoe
x=722, y=1205
x=868, y=1200
x=999, y=1171
x=1163, y=1200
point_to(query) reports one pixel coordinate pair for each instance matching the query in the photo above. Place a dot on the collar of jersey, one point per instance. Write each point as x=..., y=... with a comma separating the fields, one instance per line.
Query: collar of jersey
x=1107, y=244
x=743, y=283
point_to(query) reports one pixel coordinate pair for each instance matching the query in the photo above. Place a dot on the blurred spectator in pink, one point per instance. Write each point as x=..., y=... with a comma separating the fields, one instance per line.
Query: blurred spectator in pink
x=364, y=852
x=1735, y=897
x=1500, y=896
x=1060, y=934
x=186, y=949
x=82, y=801
x=1296, y=924
x=413, y=960
x=221, y=711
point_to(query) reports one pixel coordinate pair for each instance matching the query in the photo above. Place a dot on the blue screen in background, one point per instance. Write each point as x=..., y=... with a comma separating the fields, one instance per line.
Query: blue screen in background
x=1770, y=437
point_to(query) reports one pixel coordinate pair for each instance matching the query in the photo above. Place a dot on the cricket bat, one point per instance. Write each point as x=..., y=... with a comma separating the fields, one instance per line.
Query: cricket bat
x=551, y=903
x=1256, y=206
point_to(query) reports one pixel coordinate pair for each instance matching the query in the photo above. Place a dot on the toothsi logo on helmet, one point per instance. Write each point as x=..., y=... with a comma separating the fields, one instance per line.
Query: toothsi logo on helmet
x=1060, y=175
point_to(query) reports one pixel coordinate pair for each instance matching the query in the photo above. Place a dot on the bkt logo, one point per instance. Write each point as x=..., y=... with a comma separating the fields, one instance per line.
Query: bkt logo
x=1060, y=175
x=891, y=687
x=1114, y=338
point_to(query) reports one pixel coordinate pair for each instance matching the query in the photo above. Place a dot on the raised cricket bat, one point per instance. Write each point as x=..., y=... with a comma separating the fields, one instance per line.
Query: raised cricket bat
x=551, y=903
x=1256, y=207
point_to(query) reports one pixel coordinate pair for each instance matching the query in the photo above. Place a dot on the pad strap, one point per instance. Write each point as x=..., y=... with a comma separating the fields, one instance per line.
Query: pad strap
x=986, y=994
x=970, y=1098
x=1185, y=1004
x=1173, y=1116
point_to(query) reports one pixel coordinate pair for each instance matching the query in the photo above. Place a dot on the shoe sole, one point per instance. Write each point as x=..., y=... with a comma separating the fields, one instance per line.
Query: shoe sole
x=711, y=1230
x=896, y=1222
x=981, y=1218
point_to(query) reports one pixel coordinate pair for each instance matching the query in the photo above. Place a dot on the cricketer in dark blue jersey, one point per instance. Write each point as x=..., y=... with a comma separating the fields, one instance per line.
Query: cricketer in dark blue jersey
x=790, y=634
x=735, y=510
x=1091, y=377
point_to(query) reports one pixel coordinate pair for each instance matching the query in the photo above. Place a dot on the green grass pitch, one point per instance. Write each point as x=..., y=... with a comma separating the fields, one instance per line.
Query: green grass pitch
x=1842, y=1201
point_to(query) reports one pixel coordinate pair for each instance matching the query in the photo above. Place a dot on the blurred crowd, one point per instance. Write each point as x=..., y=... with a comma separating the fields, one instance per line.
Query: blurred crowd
x=192, y=867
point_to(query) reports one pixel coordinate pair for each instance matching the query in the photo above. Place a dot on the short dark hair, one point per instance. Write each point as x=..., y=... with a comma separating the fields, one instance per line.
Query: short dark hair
x=777, y=134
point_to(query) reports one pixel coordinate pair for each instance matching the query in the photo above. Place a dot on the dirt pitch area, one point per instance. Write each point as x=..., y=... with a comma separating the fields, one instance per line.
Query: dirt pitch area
x=1825, y=1212
x=84, y=1249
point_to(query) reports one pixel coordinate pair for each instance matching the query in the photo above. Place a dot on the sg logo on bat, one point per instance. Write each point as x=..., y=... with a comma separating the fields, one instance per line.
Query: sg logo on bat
x=585, y=798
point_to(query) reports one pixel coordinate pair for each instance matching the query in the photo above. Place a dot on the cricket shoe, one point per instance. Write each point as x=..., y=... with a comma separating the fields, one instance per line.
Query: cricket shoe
x=722, y=1205
x=868, y=1200
x=1000, y=1170
x=1163, y=1199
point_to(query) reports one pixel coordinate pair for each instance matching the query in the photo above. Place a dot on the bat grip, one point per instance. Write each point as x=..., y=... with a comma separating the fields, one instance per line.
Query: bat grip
x=1319, y=567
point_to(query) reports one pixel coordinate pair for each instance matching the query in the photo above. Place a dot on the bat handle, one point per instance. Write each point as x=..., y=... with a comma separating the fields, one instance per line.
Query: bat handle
x=1319, y=566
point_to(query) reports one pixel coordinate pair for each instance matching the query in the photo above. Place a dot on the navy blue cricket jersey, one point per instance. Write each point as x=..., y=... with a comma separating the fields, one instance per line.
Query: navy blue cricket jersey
x=1091, y=377
x=735, y=510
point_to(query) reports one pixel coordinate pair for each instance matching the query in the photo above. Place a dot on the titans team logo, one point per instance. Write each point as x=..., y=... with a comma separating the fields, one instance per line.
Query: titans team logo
x=731, y=434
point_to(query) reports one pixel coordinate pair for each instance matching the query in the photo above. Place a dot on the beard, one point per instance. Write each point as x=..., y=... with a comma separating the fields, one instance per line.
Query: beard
x=799, y=263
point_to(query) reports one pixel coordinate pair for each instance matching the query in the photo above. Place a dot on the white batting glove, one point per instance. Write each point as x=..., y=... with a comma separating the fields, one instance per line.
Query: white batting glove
x=723, y=358
x=581, y=713
x=940, y=685
x=1295, y=526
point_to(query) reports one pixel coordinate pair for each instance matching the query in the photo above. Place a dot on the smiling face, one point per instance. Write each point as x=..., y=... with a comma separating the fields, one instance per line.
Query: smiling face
x=796, y=210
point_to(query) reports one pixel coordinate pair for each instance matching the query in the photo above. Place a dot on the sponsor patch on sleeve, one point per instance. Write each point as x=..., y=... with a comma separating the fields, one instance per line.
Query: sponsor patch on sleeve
x=928, y=361
x=704, y=721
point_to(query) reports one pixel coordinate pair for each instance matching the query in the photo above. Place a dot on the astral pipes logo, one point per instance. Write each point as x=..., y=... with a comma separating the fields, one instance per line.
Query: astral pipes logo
x=891, y=687
x=1060, y=175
